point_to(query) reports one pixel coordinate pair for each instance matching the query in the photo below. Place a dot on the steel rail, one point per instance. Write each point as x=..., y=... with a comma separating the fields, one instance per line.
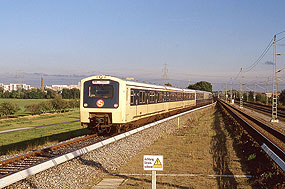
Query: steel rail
x=269, y=106
x=51, y=162
x=268, y=128
x=21, y=162
x=257, y=135
x=264, y=109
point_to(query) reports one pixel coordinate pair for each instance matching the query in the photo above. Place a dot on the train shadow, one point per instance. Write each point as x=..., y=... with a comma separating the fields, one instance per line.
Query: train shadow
x=99, y=166
x=24, y=145
x=220, y=155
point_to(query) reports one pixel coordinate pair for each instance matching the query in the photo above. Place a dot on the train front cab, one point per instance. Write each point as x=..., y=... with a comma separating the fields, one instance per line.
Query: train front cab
x=100, y=102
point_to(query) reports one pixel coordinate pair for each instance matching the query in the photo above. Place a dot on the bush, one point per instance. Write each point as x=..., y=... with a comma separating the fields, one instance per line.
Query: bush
x=8, y=108
x=34, y=108
x=47, y=106
x=74, y=103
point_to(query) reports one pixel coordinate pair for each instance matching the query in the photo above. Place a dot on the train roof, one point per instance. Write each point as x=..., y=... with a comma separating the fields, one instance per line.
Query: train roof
x=202, y=91
x=146, y=85
x=138, y=84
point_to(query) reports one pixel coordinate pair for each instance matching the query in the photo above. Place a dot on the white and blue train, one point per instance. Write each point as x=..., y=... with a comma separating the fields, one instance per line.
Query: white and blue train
x=108, y=102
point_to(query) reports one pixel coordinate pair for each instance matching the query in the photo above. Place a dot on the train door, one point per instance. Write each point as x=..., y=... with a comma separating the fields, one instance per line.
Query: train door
x=142, y=103
x=132, y=110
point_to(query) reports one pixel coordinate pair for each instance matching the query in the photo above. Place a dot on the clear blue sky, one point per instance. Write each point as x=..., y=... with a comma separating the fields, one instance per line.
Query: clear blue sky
x=208, y=40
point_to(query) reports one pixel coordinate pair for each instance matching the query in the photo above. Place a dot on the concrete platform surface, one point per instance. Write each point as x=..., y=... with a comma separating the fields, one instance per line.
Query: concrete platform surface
x=109, y=183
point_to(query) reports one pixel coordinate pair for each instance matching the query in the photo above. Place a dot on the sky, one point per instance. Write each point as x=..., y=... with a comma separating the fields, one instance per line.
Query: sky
x=198, y=40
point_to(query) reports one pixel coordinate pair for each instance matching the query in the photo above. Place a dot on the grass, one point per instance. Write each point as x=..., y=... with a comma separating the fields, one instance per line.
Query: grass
x=197, y=148
x=44, y=119
x=33, y=138
x=22, y=103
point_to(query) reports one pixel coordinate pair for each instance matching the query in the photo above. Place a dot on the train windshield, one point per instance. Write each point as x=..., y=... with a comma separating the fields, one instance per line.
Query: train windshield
x=101, y=91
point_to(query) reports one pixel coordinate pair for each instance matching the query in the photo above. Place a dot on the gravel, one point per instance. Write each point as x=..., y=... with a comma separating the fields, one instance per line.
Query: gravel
x=9, y=156
x=82, y=172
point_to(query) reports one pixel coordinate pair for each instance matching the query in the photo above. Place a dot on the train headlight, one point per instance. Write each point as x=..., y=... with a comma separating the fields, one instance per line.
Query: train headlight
x=85, y=104
x=116, y=105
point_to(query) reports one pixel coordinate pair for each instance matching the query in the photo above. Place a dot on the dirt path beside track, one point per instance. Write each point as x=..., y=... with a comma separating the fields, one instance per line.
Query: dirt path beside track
x=199, y=151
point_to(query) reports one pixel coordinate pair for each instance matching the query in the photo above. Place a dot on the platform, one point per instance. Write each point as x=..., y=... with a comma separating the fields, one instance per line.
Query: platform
x=109, y=183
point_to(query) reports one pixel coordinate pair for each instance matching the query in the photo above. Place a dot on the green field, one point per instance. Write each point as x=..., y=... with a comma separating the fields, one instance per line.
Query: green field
x=25, y=140
x=22, y=103
x=37, y=120
x=34, y=138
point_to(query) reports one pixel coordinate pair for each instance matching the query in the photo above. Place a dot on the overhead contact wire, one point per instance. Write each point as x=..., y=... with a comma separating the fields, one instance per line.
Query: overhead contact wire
x=260, y=57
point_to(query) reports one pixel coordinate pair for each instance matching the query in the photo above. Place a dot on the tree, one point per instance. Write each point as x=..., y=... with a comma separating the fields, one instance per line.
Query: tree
x=66, y=94
x=70, y=93
x=250, y=96
x=6, y=94
x=73, y=103
x=202, y=86
x=21, y=93
x=168, y=84
x=14, y=94
x=8, y=108
x=50, y=94
x=33, y=108
x=282, y=97
x=58, y=103
x=75, y=93
x=46, y=106
x=1, y=92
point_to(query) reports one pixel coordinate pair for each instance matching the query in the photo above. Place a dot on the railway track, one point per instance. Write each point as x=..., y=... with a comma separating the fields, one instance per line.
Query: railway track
x=267, y=109
x=23, y=162
x=271, y=141
x=18, y=168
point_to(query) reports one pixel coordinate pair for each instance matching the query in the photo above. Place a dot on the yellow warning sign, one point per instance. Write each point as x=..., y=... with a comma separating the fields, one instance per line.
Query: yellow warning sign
x=153, y=163
x=157, y=164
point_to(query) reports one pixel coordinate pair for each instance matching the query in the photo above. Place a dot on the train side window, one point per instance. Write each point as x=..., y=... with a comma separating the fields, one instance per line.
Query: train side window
x=192, y=96
x=167, y=97
x=160, y=97
x=151, y=96
x=146, y=97
x=132, y=97
x=173, y=97
x=156, y=97
x=141, y=97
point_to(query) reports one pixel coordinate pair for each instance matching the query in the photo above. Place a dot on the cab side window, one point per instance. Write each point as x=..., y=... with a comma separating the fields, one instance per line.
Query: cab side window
x=132, y=97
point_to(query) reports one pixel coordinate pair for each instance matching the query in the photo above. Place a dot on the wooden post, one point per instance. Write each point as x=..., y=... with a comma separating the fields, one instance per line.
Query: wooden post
x=153, y=182
x=178, y=122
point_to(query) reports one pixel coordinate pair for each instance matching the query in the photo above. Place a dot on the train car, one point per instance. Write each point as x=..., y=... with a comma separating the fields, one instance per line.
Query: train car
x=108, y=102
x=203, y=97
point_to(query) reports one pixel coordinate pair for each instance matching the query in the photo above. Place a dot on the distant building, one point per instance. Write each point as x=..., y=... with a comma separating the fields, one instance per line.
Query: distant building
x=269, y=95
x=15, y=87
x=61, y=87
